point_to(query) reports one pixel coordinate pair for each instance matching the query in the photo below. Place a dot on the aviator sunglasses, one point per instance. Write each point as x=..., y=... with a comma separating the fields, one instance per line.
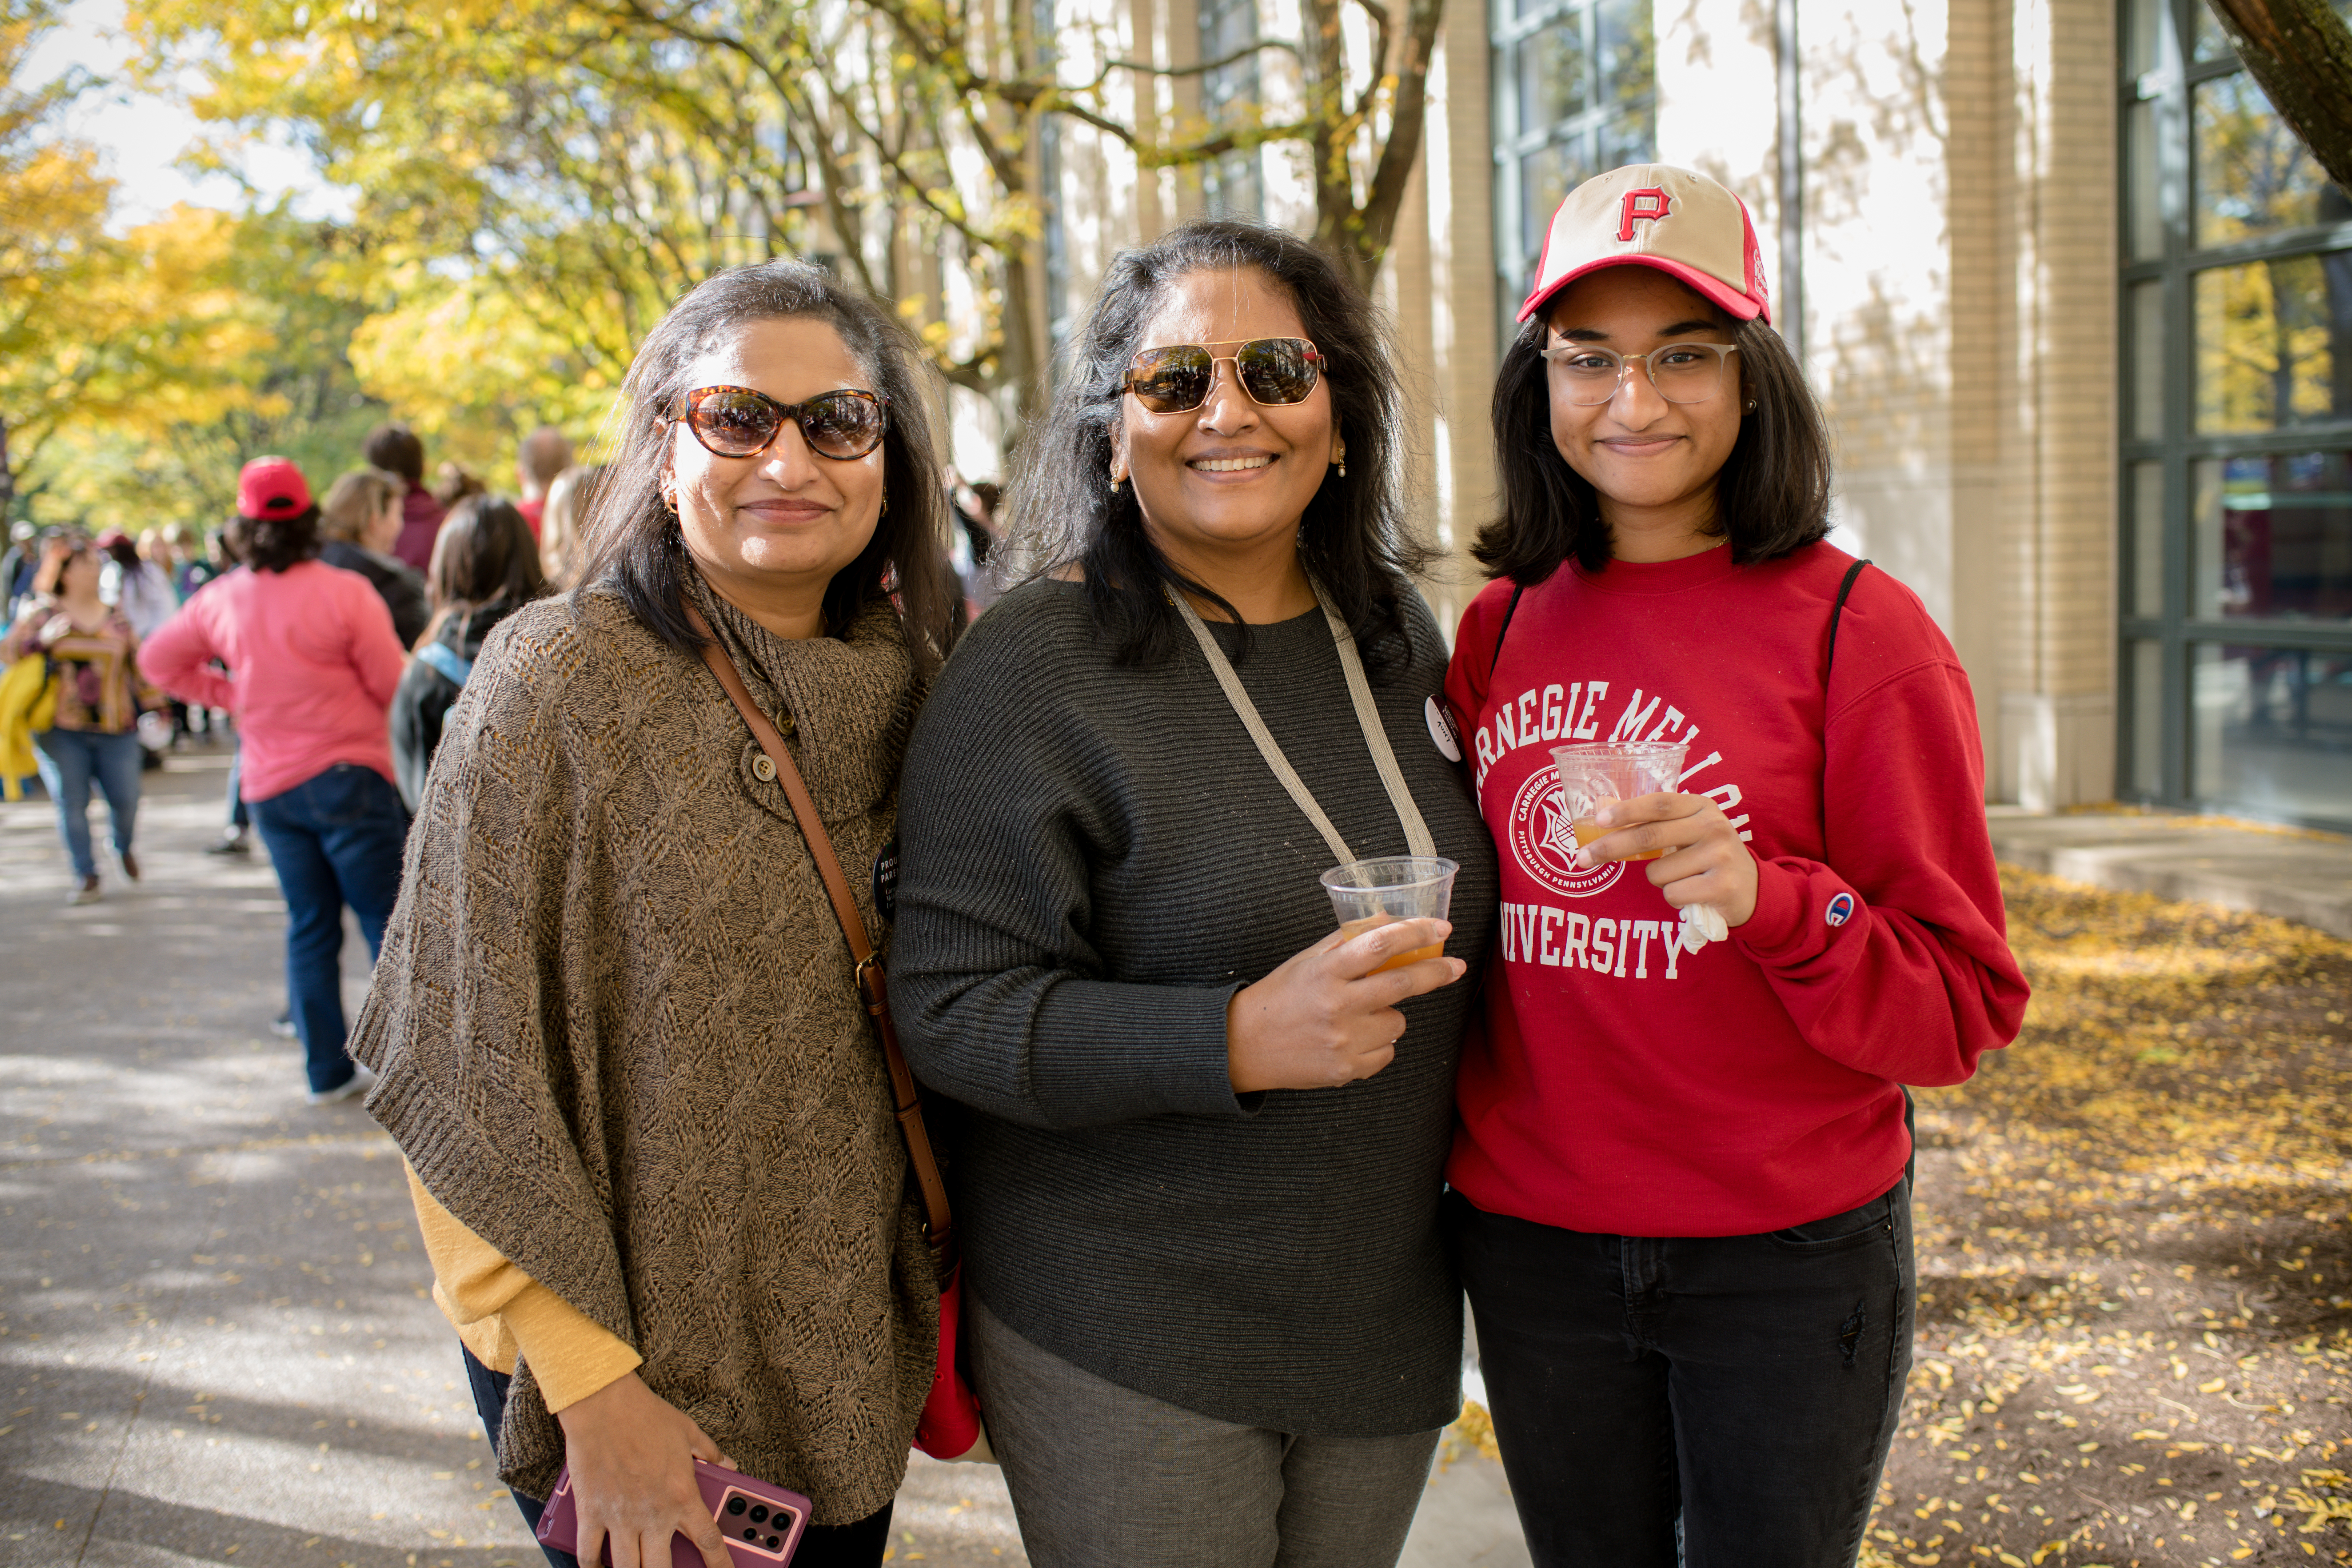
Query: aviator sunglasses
x=737, y=421
x=1176, y=379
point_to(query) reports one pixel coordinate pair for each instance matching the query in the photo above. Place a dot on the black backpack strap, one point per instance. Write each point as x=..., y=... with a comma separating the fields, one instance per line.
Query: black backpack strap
x=1910, y=1106
x=1504, y=630
x=1836, y=612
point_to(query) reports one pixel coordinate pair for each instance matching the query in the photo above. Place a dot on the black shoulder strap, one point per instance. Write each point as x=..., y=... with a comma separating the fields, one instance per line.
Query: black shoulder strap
x=1504, y=630
x=1836, y=612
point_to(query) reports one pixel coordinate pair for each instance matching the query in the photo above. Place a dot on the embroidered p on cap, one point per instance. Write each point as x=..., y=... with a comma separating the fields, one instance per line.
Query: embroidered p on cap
x=1654, y=215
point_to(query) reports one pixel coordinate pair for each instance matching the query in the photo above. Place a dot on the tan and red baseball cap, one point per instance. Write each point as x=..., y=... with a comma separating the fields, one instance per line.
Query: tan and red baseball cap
x=1654, y=215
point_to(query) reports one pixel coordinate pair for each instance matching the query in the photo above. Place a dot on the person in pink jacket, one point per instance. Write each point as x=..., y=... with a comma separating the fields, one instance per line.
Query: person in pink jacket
x=313, y=662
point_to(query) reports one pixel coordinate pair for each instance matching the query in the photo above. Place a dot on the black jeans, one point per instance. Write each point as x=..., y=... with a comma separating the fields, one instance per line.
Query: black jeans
x=1745, y=1387
x=859, y=1545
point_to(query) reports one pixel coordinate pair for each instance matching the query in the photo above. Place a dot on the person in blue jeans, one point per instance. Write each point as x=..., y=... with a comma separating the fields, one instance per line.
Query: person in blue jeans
x=93, y=656
x=334, y=839
x=314, y=663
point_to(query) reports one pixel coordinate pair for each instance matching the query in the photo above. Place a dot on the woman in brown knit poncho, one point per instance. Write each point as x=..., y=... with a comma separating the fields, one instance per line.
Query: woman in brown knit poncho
x=616, y=1021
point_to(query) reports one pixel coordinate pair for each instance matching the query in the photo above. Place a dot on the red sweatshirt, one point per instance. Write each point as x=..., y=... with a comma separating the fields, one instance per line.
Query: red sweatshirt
x=1623, y=1086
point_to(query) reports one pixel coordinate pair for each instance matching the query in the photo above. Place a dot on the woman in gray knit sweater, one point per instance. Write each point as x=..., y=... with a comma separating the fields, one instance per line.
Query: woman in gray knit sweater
x=1209, y=1315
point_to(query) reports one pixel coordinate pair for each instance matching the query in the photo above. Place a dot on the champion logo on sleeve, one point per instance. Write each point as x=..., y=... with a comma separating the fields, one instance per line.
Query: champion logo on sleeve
x=1840, y=909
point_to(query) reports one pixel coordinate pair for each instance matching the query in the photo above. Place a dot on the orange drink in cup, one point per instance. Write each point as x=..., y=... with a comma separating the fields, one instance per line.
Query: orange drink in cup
x=1368, y=893
x=1597, y=773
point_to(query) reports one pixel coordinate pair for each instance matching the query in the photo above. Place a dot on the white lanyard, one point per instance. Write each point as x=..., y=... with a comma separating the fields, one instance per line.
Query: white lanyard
x=1360, y=691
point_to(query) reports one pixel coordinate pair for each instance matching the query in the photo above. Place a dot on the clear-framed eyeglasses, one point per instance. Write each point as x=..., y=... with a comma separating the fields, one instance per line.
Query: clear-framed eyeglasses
x=1682, y=373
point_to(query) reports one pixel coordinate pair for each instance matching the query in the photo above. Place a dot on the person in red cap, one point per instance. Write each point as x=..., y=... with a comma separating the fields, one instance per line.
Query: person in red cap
x=1681, y=1198
x=313, y=662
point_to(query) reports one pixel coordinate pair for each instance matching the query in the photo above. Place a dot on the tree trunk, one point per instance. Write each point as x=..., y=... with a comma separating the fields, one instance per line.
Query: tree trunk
x=2300, y=54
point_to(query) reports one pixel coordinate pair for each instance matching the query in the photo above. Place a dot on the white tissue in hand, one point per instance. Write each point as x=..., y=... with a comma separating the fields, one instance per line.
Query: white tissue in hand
x=1703, y=923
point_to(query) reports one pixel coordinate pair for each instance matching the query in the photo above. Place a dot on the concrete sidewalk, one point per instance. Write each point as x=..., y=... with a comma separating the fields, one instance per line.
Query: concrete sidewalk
x=214, y=1332
x=2288, y=872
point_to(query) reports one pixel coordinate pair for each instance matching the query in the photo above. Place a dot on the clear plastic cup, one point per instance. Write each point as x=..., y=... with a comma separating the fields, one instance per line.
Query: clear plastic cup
x=1593, y=774
x=1367, y=894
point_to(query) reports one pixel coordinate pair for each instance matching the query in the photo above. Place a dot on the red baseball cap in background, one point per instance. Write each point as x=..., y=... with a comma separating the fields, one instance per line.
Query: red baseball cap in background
x=271, y=487
x=1654, y=215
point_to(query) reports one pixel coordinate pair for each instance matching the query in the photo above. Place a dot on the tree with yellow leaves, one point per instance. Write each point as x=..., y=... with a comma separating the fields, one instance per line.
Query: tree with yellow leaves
x=53, y=203
x=543, y=177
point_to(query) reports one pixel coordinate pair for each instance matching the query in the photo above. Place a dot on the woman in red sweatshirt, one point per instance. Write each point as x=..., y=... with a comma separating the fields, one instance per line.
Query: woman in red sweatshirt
x=1679, y=1182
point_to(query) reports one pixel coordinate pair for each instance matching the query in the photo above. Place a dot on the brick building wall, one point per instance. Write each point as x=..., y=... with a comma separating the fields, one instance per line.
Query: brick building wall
x=1959, y=304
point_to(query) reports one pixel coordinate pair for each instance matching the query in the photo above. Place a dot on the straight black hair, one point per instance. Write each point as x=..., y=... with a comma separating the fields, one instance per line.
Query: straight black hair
x=1771, y=495
x=1352, y=538
x=633, y=535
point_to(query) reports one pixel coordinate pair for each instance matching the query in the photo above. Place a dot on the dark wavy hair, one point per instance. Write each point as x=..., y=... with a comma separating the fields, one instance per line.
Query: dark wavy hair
x=273, y=543
x=632, y=535
x=1771, y=495
x=1352, y=538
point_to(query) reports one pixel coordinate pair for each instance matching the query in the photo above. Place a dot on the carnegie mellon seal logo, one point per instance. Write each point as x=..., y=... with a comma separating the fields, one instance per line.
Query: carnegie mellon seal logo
x=1545, y=845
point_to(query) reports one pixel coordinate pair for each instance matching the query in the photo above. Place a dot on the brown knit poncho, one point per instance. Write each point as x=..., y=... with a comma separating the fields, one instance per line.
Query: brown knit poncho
x=620, y=1040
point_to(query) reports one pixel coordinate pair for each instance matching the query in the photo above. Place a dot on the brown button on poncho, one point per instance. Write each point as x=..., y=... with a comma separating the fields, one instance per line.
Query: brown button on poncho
x=620, y=1040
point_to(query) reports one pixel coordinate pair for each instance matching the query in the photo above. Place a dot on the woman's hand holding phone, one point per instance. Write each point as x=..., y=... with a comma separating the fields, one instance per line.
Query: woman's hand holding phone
x=1327, y=1017
x=1703, y=861
x=631, y=1453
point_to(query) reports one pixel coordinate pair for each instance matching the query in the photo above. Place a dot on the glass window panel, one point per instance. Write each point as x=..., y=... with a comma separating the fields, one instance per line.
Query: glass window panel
x=2146, y=196
x=1546, y=176
x=2209, y=42
x=1629, y=139
x=2147, y=540
x=2142, y=25
x=1553, y=79
x=2148, y=362
x=2266, y=336
x=1628, y=53
x=2147, y=720
x=2272, y=538
x=2273, y=730
x=2253, y=174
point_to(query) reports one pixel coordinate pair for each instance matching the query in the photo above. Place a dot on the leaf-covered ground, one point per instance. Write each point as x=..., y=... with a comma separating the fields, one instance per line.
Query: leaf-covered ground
x=2135, y=1271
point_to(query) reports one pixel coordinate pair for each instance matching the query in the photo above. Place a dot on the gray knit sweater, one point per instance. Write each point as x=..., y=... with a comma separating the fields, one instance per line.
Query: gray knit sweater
x=1093, y=861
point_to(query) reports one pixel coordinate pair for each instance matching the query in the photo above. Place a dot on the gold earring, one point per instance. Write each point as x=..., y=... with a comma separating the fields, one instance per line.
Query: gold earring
x=1340, y=461
x=885, y=500
x=1749, y=407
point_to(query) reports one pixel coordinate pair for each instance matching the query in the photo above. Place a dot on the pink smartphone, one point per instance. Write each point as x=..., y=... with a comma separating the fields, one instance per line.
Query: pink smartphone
x=762, y=1523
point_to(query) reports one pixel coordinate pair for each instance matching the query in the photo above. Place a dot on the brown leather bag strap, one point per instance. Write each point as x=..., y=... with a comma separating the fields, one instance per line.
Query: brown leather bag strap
x=872, y=984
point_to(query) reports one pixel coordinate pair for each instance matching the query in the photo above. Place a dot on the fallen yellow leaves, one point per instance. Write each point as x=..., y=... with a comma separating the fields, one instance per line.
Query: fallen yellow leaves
x=2135, y=1240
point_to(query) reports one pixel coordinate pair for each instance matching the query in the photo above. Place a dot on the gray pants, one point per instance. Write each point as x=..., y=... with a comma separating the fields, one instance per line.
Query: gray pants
x=1103, y=1475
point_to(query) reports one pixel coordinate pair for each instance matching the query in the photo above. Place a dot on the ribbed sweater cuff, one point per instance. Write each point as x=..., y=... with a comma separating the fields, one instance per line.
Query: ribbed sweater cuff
x=1108, y=1052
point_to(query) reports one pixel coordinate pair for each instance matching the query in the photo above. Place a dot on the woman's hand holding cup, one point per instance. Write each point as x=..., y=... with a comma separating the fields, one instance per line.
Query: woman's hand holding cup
x=1328, y=1015
x=1701, y=858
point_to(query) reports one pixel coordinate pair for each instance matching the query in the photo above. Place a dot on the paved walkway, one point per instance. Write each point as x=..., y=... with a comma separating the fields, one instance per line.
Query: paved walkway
x=2284, y=871
x=215, y=1336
